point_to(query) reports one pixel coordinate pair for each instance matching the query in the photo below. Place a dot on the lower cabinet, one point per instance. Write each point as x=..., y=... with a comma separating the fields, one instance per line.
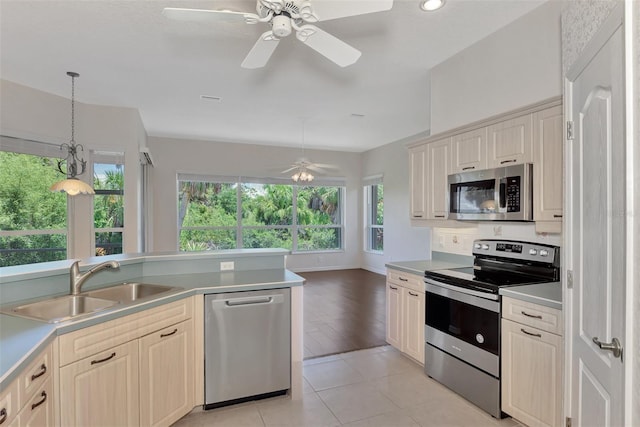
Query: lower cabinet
x=28, y=400
x=101, y=389
x=405, y=313
x=148, y=380
x=532, y=359
x=166, y=375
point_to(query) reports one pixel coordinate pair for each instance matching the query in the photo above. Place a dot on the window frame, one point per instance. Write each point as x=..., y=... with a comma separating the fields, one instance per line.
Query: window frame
x=370, y=190
x=106, y=158
x=293, y=228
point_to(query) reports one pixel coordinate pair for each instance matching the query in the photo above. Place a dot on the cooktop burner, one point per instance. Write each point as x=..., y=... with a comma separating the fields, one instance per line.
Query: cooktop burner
x=467, y=277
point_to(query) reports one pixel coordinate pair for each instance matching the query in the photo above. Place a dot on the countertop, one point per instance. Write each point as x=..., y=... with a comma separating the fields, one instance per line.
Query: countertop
x=420, y=266
x=546, y=294
x=22, y=339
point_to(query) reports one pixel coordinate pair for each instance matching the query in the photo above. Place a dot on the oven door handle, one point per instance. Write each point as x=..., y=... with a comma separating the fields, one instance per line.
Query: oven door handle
x=468, y=296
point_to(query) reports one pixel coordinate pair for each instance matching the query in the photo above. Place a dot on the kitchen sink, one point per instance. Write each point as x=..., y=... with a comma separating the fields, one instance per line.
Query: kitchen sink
x=129, y=292
x=61, y=308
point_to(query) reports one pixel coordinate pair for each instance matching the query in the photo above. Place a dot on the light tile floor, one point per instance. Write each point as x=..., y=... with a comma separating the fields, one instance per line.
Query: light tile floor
x=374, y=387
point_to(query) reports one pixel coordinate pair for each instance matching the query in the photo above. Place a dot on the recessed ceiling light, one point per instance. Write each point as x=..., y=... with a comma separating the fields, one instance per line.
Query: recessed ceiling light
x=211, y=97
x=431, y=5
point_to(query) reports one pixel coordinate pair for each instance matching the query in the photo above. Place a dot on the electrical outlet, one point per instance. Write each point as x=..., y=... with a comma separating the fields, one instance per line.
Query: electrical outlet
x=227, y=265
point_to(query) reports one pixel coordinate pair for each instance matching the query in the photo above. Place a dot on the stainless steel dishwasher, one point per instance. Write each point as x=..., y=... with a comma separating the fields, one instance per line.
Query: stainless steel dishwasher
x=247, y=346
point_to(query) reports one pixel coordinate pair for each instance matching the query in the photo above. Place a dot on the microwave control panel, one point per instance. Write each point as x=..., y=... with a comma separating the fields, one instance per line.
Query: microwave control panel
x=513, y=194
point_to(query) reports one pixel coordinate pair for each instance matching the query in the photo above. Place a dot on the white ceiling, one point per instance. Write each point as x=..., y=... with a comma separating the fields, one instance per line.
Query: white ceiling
x=128, y=54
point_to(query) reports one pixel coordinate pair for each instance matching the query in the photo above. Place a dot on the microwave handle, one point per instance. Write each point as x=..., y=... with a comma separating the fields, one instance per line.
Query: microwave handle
x=503, y=193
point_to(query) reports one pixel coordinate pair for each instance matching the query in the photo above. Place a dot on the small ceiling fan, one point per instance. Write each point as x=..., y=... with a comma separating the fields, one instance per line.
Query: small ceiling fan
x=303, y=169
x=285, y=16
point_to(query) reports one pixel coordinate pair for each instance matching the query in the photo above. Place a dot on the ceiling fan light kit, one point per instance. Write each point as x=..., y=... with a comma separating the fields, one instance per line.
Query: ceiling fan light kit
x=286, y=16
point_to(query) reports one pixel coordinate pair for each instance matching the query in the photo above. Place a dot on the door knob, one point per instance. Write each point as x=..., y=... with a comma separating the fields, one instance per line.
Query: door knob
x=614, y=346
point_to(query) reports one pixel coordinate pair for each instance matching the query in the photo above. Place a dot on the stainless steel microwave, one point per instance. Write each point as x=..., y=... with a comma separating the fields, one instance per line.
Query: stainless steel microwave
x=501, y=194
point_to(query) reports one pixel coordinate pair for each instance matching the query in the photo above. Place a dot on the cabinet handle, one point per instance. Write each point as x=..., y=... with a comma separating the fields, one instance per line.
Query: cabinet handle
x=395, y=289
x=93, y=362
x=403, y=279
x=531, y=333
x=468, y=168
x=438, y=216
x=44, y=398
x=43, y=370
x=3, y=415
x=169, y=334
x=557, y=216
x=412, y=294
x=508, y=161
x=531, y=315
x=417, y=216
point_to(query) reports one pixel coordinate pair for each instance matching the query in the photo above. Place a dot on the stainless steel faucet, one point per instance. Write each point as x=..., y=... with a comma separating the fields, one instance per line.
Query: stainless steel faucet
x=77, y=279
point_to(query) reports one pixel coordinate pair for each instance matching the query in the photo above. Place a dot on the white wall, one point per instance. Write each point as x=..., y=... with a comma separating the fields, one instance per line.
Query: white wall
x=32, y=114
x=173, y=156
x=517, y=65
x=401, y=241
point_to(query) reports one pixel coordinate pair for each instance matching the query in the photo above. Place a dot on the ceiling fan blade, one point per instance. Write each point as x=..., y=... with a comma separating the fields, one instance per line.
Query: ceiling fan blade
x=261, y=51
x=316, y=169
x=331, y=47
x=202, y=15
x=326, y=166
x=290, y=169
x=325, y=10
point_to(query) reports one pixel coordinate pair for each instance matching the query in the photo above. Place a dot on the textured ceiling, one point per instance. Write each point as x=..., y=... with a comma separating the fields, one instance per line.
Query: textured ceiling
x=128, y=54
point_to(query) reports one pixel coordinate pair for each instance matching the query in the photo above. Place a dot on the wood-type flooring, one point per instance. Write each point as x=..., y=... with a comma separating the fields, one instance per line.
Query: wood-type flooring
x=344, y=310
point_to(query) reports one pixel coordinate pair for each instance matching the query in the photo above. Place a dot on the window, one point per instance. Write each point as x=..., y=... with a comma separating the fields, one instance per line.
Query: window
x=374, y=197
x=108, y=203
x=214, y=214
x=33, y=220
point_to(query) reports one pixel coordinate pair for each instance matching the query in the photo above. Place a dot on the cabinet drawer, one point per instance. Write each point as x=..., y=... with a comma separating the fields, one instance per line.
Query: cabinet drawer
x=538, y=316
x=86, y=342
x=406, y=280
x=35, y=375
x=9, y=403
x=38, y=410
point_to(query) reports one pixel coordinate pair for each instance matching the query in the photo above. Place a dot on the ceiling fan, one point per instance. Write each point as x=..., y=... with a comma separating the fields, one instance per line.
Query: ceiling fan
x=285, y=16
x=303, y=170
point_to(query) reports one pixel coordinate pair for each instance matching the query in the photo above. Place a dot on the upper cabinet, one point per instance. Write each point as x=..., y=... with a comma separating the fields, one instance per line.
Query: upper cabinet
x=547, y=169
x=469, y=151
x=417, y=165
x=510, y=142
x=533, y=134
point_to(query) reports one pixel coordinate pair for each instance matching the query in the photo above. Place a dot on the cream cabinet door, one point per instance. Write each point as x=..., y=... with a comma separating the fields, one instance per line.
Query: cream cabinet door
x=101, y=390
x=417, y=163
x=547, y=167
x=469, y=151
x=531, y=374
x=166, y=375
x=394, y=312
x=438, y=167
x=510, y=142
x=413, y=324
x=38, y=411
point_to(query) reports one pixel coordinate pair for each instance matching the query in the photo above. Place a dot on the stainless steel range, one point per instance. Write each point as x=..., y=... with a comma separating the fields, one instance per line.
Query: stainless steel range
x=462, y=331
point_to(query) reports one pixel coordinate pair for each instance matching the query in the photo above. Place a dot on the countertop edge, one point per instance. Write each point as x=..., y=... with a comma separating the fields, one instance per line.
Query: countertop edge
x=545, y=294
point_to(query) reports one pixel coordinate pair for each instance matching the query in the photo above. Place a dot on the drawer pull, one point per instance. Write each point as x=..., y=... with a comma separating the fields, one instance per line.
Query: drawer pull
x=468, y=168
x=531, y=333
x=94, y=362
x=417, y=216
x=508, y=161
x=43, y=370
x=534, y=316
x=395, y=289
x=412, y=294
x=3, y=415
x=44, y=399
x=557, y=216
x=169, y=334
x=438, y=216
x=402, y=279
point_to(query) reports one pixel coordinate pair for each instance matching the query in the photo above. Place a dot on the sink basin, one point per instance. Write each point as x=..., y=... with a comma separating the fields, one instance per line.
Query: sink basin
x=128, y=292
x=61, y=308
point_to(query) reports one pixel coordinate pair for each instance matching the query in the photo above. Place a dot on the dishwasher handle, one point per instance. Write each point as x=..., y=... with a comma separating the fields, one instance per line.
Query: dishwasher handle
x=248, y=301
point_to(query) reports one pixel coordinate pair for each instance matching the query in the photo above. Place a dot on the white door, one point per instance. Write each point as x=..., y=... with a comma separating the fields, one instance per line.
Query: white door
x=596, y=233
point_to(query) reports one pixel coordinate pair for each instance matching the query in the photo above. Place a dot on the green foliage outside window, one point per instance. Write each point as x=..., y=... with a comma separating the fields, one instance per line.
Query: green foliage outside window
x=108, y=207
x=27, y=204
x=266, y=216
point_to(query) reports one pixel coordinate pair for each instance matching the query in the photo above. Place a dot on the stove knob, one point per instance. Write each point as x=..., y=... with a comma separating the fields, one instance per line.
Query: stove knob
x=544, y=252
x=533, y=251
x=485, y=247
x=477, y=246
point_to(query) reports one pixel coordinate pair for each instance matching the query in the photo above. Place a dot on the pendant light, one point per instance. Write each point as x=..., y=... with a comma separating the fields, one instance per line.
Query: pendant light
x=72, y=185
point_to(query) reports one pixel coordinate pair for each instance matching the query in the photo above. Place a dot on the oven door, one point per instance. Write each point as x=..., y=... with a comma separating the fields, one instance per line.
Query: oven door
x=464, y=325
